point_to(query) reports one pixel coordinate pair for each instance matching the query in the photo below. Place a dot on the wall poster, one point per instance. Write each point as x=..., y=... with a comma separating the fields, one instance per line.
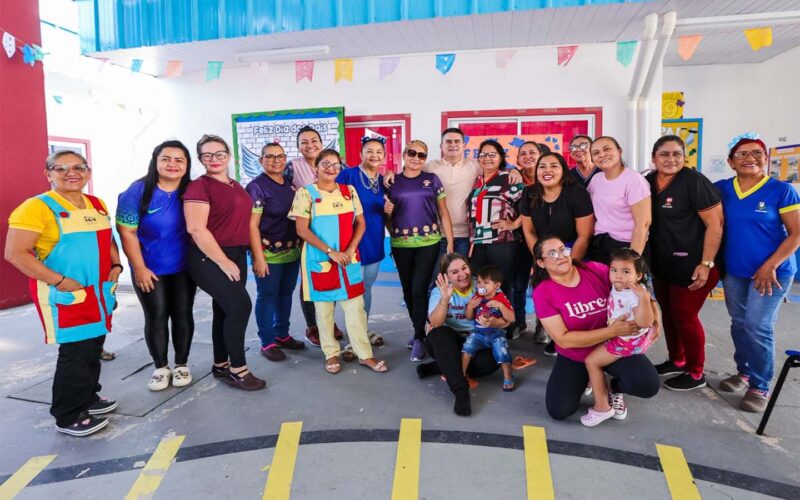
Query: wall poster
x=690, y=130
x=783, y=163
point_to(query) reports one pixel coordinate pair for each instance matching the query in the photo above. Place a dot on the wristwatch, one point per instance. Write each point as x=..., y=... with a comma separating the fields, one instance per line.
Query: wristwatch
x=708, y=263
x=328, y=250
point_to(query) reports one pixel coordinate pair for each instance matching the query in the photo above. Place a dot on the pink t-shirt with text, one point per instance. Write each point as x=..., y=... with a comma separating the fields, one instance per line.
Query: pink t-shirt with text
x=582, y=307
x=612, y=202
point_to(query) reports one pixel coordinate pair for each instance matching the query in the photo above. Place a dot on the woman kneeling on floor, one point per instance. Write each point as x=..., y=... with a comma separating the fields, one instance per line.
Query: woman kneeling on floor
x=449, y=329
x=571, y=300
x=330, y=220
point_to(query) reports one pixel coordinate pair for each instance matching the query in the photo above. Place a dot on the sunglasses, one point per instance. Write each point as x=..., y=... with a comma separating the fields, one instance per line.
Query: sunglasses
x=416, y=154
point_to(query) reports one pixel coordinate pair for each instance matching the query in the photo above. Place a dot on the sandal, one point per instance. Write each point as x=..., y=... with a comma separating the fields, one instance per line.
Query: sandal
x=521, y=362
x=348, y=356
x=378, y=366
x=375, y=339
x=332, y=365
x=509, y=385
x=594, y=417
x=220, y=371
x=107, y=355
x=470, y=381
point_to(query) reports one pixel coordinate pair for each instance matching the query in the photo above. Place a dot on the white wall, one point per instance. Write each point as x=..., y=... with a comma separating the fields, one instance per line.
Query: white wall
x=737, y=98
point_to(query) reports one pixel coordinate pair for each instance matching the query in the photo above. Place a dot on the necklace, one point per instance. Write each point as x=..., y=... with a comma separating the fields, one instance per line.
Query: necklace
x=369, y=183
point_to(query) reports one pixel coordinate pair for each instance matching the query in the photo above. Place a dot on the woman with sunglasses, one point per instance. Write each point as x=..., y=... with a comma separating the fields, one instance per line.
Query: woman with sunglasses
x=217, y=210
x=275, y=248
x=493, y=214
x=416, y=208
x=584, y=168
x=368, y=182
x=762, y=234
x=329, y=218
x=152, y=228
x=62, y=241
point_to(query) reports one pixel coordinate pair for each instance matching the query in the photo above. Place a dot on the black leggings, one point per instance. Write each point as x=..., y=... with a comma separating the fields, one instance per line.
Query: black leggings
x=231, y=303
x=500, y=255
x=523, y=261
x=172, y=297
x=415, y=266
x=444, y=345
x=308, y=310
x=634, y=375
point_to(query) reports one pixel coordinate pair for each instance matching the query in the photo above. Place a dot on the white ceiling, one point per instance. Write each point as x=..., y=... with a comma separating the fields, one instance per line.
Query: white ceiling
x=558, y=26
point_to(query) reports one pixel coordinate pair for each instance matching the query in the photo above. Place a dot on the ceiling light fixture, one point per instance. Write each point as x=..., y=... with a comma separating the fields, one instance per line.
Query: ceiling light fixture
x=287, y=54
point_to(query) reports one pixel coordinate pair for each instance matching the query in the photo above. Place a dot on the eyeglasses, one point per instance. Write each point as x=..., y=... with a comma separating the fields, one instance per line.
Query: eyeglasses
x=412, y=153
x=324, y=164
x=554, y=254
x=80, y=168
x=579, y=147
x=757, y=154
x=218, y=155
x=176, y=159
x=488, y=155
x=280, y=157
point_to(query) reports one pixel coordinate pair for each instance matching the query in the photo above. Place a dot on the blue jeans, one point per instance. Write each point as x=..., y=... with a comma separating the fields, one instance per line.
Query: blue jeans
x=752, y=321
x=370, y=273
x=274, y=301
x=494, y=338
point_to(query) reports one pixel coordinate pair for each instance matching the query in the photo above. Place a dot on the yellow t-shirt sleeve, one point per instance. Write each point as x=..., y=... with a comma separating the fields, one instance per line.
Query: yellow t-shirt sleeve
x=301, y=206
x=34, y=215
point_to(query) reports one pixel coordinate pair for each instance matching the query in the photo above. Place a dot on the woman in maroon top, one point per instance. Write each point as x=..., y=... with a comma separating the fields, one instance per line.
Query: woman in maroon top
x=217, y=211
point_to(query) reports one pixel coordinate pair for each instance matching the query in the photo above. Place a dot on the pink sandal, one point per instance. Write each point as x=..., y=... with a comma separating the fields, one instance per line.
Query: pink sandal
x=594, y=417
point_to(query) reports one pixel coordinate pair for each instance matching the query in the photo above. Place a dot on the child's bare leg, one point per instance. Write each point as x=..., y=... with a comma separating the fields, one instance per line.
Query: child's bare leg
x=465, y=359
x=595, y=362
x=506, y=371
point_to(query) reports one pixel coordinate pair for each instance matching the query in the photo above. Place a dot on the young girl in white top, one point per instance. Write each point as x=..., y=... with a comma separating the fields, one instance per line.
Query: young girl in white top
x=629, y=298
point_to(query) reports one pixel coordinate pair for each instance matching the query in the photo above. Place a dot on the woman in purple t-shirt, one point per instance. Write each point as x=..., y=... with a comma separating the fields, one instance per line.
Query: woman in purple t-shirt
x=570, y=300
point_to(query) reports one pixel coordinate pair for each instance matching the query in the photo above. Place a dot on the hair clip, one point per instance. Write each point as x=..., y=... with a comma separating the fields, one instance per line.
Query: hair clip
x=378, y=138
x=747, y=135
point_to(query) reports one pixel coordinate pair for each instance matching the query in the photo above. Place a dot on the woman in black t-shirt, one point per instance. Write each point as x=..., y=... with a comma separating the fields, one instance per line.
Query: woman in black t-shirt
x=685, y=236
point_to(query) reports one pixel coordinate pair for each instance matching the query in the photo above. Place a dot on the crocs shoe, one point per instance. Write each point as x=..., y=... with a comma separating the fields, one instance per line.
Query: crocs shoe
x=160, y=379
x=181, y=376
x=594, y=417
x=84, y=426
x=102, y=406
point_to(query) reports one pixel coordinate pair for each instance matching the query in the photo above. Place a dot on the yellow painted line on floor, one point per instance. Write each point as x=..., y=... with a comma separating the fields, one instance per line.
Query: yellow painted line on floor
x=676, y=471
x=406, y=466
x=537, y=464
x=24, y=475
x=281, y=471
x=156, y=468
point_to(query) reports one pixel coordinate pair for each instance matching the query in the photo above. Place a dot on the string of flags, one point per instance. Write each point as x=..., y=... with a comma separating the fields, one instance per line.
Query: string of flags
x=757, y=38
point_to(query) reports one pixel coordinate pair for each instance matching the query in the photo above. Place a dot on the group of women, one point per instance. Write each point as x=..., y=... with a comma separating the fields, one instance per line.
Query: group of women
x=445, y=218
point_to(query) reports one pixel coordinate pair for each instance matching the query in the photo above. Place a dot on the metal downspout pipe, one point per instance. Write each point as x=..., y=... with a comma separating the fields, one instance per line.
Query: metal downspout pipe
x=642, y=66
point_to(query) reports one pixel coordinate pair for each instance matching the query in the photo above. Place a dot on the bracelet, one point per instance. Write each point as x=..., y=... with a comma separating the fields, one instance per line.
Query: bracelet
x=117, y=265
x=63, y=277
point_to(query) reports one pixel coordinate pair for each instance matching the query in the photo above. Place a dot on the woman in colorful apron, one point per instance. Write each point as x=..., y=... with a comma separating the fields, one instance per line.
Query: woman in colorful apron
x=329, y=219
x=62, y=241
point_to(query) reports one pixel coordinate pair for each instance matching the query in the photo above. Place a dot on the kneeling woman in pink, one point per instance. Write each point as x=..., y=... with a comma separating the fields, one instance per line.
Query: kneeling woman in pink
x=571, y=301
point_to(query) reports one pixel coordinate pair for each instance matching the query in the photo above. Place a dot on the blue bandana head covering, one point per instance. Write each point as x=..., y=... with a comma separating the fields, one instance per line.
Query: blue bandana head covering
x=747, y=135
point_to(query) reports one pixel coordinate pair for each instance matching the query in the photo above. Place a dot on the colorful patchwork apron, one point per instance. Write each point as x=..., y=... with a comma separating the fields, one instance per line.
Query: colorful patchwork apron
x=332, y=222
x=83, y=253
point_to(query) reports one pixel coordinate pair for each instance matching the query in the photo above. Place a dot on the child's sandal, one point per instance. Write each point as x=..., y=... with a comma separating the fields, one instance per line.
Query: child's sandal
x=509, y=385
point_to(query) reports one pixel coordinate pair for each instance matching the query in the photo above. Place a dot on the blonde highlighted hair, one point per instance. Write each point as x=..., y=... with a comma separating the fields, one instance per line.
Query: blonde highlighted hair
x=415, y=142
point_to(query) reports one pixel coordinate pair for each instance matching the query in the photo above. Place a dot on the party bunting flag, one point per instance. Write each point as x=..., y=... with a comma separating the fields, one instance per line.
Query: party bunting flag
x=58, y=99
x=303, y=69
x=625, y=52
x=687, y=45
x=174, y=69
x=9, y=44
x=759, y=37
x=136, y=65
x=38, y=53
x=444, y=62
x=565, y=54
x=503, y=57
x=387, y=66
x=28, y=55
x=213, y=70
x=343, y=70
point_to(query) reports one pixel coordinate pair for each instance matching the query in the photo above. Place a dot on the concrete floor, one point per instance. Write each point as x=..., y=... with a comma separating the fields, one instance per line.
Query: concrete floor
x=351, y=421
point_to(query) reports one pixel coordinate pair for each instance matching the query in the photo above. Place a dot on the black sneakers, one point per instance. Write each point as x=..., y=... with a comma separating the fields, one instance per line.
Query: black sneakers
x=550, y=349
x=684, y=382
x=84, y=426
x=668, y=368
x=102, y=406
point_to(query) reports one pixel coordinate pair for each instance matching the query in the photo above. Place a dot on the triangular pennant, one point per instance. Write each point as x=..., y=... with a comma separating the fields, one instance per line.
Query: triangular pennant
x=303, y=69
x=565, y=54
x=759, y=37
x=136, y=65
x=213, y=70
x=38, y=53
x=444, y=62
x=9, y=44
x=28, y=55
x=687, y=45
x=343, y=70
x=174, y=69
x=503, y=57
x=625, y=52
x=387, y=66
x=58, y=99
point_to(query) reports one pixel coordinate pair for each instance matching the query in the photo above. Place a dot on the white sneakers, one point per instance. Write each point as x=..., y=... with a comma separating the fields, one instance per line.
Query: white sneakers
x=181, y=377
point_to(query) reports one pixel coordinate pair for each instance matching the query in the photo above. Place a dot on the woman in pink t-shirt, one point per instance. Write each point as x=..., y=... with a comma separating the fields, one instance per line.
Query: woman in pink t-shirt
x=570, y=300
x=621, y=201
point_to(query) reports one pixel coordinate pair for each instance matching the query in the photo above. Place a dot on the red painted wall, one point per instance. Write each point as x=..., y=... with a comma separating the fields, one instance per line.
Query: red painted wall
x=23, y=134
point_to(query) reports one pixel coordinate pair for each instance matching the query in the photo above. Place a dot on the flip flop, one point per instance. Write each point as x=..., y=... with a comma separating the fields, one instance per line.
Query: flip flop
x=379, y=367
x=509, y=385
x=348, y=356
x=375, y=339
x=333, y=368
x=594, y=417
x=107, y=355
x=521, y=362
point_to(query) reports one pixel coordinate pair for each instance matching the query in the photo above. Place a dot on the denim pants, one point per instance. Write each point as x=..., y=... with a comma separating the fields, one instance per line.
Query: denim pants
x=274, y=301
x=752, y=321
x=489, y=338
x=370, y=273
